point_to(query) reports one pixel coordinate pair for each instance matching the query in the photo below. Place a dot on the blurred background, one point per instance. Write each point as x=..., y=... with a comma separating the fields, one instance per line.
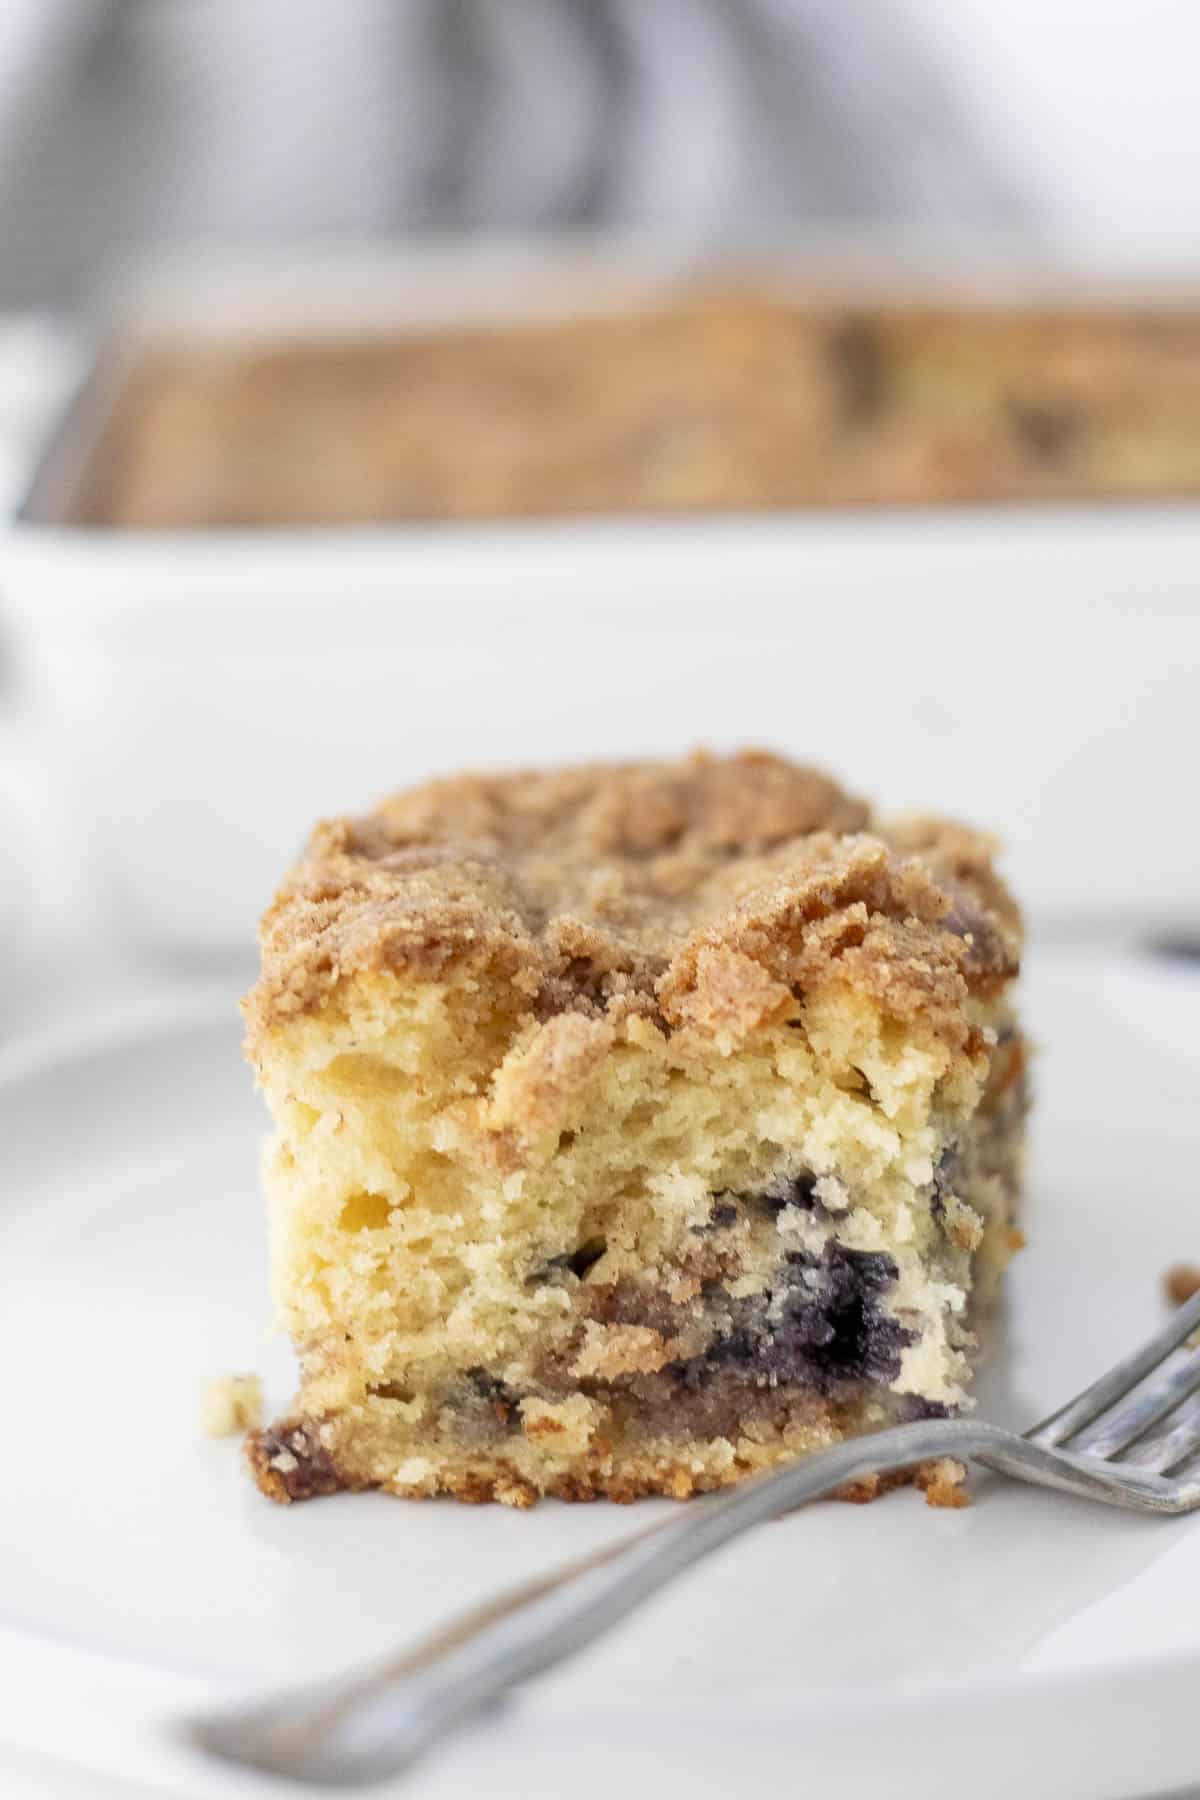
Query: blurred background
x=252, y=632
x=129, y=122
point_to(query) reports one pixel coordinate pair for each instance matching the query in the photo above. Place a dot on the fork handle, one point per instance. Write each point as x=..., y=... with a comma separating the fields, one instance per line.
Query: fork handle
x=377, y=1722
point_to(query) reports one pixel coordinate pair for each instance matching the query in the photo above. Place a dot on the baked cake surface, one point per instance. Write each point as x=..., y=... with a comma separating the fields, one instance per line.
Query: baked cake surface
x=636, y=1128
x=716, y=397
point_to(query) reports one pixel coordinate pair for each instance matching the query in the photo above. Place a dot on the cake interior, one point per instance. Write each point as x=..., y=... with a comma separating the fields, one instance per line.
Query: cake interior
x=574, y=1257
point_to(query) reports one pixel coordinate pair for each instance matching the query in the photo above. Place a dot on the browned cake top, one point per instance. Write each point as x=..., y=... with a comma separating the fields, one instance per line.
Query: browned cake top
x=707, y=892
x=720, y=395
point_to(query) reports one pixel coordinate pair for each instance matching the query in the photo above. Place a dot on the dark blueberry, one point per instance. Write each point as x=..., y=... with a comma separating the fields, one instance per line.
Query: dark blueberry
x=723, y=1213
x=1047, y=432
x=870, y=1269
x=860, y=369
x=790, y=1190
x=824, y=1327
x=920, y=1410
x=575, y=1262
x=483, y=1401
x=483, y=1385
x=795, y=1190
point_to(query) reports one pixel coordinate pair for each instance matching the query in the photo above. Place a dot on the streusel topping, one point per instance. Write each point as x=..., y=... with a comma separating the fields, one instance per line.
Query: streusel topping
x=706, y=893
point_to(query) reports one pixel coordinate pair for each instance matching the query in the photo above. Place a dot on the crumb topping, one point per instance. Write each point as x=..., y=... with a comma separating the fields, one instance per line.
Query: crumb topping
x=707, y=893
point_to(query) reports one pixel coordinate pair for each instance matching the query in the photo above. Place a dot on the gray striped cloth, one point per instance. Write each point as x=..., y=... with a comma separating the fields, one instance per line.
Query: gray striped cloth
x=127, y=122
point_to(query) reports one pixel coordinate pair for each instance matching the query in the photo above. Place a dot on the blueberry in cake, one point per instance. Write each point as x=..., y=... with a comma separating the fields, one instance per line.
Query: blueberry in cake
x=636, y=1128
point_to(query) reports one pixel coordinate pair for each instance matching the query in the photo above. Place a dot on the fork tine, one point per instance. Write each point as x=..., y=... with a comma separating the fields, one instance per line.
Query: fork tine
x=1172, y=1443
x=1116, y=1384
x=1150, y=1402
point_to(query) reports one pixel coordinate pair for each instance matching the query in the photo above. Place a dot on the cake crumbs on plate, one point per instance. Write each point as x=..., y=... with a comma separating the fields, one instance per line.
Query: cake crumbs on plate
x=231, y=1403
x=1181, y=1283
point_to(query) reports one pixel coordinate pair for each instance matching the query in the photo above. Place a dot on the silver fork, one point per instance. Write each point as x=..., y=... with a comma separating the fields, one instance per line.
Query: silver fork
x=1129, y=1440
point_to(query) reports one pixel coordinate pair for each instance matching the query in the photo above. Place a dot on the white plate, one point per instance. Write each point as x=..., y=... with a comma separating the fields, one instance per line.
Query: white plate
x=1032, y=1640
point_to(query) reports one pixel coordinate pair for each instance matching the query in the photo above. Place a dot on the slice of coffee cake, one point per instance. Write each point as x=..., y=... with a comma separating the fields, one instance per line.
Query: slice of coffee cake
x=636, y=1128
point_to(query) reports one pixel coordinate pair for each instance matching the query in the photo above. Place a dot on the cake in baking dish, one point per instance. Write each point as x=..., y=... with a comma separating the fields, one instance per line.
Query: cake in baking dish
x=714, y=397
x=636, y=1128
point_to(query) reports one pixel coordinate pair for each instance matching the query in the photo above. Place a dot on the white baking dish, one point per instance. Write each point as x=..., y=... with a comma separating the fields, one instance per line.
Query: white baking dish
x=204, y=695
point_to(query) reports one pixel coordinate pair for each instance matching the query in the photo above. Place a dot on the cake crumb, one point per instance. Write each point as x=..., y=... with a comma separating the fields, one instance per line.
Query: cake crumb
x=963, y=1225
x=231, y=1403
x=1181, y=1283
x=944, y=1483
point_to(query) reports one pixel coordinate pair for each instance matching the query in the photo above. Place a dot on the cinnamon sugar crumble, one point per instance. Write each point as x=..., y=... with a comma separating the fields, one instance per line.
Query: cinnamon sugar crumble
x=700, y=893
